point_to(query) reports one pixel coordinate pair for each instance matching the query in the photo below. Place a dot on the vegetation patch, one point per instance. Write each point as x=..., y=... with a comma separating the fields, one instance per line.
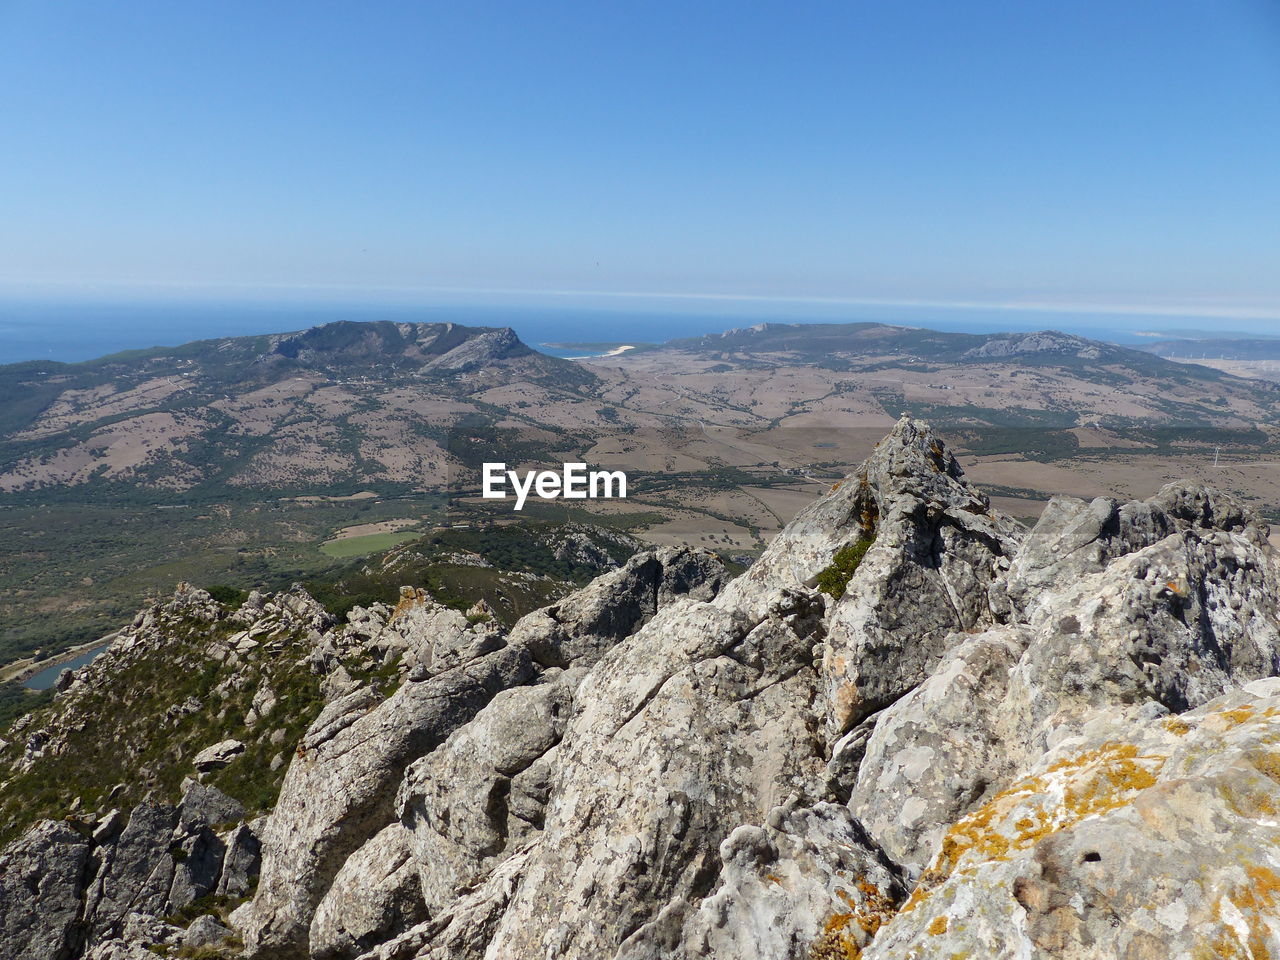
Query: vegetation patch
x=835, y=579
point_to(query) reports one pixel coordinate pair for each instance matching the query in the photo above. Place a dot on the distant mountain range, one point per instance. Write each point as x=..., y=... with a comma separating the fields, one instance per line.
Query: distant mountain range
x=347, y=404
x=814, y=342
x=232, y=460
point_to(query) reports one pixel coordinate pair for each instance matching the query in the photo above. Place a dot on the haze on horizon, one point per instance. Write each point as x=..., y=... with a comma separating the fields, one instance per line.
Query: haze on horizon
x=1086, y=157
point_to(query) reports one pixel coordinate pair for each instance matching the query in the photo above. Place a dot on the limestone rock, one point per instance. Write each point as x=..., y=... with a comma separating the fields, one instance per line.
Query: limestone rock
x=465, y=804
x=695, y=724
x=41, y=883
x=809, y=883
x=374, y=895
x=218, y=755
x=986, y=743
x=1143, y=836
x=205, y=931
x=615, y=605
x=339, y=790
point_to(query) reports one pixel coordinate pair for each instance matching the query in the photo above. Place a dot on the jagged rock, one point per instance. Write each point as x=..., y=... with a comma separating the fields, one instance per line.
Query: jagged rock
x=614, y=606
x=465, y=805
x=988, y=745
x=808, y=884
x=136, y=872
x=338, y=792
x=119, y=950
x=205, y=931
x=1074, y=538
x=932, y=755
x=41, y=883
x=203, y=805
x=1174, y=622
x=197, y=868
x=242, y=860
x=938, y=550
x=374, y=895
x=695, y=724
x=433, y=638
x=217, y=756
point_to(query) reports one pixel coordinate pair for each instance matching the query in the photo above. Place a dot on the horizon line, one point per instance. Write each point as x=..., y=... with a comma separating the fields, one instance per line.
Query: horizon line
x=213, y=291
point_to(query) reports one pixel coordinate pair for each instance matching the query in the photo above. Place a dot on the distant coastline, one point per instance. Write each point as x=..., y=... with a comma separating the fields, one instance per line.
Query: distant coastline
x=595, y=349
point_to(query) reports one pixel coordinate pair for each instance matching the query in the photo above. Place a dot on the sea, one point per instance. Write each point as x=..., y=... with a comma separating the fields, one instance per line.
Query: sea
x=78, y=330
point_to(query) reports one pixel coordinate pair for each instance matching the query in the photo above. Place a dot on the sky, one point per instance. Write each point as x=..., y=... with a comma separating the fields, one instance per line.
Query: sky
x=1092, y=154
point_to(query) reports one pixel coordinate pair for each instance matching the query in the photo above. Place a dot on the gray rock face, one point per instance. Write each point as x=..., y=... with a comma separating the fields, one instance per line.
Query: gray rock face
x=694, y=725
x=241, y=862
x=374, y=895
x=338, y=791
x=808, y=882
x=66, y=888
x=205, y=932
x=136, y=873
x=42, y=877
x=1141, y=836
x=1059, y=744
x=938, y=551
x=468, y=803
x=932, y=755
x=589, y=622
x=218, y=755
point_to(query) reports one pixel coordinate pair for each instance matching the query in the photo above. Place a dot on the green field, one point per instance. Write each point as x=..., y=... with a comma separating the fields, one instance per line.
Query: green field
x=359, y=546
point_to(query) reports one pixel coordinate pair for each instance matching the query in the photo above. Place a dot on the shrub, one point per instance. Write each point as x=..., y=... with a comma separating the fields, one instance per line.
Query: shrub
x=228, y=596
x=835, y=578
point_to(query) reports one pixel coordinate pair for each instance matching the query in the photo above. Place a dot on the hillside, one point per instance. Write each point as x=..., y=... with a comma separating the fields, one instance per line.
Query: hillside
x=255, y=462
x=325, y=410
x=911, y=729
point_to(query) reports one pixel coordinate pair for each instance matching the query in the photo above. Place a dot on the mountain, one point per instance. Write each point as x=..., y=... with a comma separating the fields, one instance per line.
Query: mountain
x=912, y=728
x=816, y=341
x=336, y=405
x=252, y=462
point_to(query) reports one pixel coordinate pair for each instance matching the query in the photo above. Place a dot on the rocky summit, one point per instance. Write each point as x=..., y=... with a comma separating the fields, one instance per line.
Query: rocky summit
x=911, y=730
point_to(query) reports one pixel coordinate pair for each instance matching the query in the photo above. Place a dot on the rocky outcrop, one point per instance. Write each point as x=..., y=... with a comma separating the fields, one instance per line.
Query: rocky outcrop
x=42, y=875
x=340, y=789
x=74, y=886
x=910, y=730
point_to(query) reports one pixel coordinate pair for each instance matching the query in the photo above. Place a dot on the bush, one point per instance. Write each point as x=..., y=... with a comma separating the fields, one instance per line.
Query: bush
x=229, y=596
x=835, y=578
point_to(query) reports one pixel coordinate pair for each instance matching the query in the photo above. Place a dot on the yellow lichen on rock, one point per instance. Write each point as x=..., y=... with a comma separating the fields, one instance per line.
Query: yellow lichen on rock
x=1088, y=784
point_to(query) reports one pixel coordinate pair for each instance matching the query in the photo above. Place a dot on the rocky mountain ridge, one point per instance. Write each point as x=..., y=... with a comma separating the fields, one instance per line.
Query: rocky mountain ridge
x=911, y=729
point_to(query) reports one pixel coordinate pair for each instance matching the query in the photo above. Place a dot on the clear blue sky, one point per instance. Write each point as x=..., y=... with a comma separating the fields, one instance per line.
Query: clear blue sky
x=1080, y=152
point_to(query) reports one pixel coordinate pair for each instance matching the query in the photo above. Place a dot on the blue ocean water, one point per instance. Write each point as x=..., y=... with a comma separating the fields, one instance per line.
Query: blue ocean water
x=72, y=331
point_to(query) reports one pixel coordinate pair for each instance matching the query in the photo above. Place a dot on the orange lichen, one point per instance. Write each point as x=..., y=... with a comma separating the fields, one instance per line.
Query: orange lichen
x=1092, y=783
x=845, y=933
x=1177, y=727
x=1266, y=763
x=1257, y=902
x=1237, y=716
x=1248, y=801
x=937, y=926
